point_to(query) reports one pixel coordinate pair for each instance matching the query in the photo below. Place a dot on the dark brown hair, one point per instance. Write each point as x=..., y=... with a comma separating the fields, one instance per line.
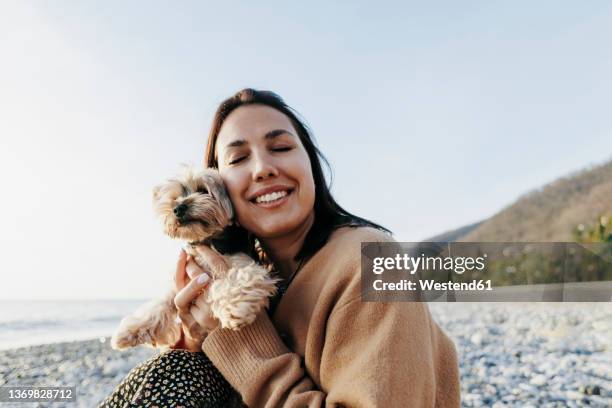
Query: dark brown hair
x=329, y=215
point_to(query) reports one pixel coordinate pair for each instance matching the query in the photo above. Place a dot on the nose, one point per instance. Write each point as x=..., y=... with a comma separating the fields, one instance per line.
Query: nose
x=263, y=169
x=180, y=210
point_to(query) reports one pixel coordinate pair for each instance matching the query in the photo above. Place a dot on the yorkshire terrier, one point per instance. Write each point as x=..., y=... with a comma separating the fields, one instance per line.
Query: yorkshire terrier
x=196, y=208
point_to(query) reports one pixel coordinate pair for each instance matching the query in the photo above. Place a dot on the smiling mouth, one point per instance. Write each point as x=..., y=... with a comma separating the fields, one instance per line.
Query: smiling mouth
x=272, y=197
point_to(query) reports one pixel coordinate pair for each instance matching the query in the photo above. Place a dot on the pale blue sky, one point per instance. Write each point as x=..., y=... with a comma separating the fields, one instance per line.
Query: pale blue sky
x=432, y=116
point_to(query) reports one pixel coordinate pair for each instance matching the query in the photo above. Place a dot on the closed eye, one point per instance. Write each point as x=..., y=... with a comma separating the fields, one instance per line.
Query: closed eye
x=274, y=149
x=237, y=160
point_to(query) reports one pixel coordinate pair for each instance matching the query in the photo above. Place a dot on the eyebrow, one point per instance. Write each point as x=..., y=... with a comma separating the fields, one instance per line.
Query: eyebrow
x=268, y=136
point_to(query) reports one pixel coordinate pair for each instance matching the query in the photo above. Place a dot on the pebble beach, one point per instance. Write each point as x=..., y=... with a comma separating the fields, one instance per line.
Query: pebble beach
x=511, y=354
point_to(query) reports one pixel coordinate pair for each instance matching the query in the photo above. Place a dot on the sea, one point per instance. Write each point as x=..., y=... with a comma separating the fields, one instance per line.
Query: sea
x=31, y=322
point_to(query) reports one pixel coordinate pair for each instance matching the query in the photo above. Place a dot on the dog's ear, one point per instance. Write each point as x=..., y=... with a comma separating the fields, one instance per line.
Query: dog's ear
x=214, y=184
x=156, y=192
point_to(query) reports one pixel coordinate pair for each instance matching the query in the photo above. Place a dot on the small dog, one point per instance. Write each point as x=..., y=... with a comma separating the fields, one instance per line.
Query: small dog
x=195, y=208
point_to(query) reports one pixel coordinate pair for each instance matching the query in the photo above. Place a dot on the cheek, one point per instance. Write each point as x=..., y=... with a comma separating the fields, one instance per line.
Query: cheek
x=306, y=178
x=235, y=194
x=310, y=196
x=233, y=184
x=308, y=182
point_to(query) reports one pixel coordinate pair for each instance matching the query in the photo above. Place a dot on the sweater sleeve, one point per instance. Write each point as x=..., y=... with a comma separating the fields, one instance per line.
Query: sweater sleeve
x=259, y=366
x=375, y=355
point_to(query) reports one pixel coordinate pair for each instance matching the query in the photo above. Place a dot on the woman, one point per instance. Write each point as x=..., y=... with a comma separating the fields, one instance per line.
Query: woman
x=319, y=345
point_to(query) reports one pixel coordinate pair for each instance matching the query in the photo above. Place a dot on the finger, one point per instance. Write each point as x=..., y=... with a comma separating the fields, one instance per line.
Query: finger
x=210, y=260
x=184, y=297
x=180, y=276
x=190, y=325
x=204, y=318
x=202, y=313
x=193, y=269
x=200, y=301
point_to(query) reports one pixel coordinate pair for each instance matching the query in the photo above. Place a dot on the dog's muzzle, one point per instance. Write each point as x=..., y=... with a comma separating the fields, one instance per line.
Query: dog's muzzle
x=180, y=210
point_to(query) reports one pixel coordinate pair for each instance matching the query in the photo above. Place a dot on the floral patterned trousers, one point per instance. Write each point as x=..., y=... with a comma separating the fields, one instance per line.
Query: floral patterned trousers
x=174, y=378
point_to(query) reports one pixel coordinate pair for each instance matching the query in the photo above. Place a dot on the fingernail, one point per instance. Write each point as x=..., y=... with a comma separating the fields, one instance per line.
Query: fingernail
x=203, y=278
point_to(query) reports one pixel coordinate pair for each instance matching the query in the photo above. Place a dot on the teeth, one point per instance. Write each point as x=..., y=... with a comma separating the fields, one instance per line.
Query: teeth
x=266, y=198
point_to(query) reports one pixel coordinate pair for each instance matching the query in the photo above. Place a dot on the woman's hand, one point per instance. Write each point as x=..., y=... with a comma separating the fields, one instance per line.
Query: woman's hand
x=192, y=283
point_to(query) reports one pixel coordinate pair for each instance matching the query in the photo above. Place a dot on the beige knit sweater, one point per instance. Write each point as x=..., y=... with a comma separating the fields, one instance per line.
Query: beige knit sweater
x=325, y=348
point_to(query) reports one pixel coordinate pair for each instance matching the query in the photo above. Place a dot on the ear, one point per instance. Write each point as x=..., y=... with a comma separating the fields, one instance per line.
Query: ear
x=156, y=191
x=216, y=188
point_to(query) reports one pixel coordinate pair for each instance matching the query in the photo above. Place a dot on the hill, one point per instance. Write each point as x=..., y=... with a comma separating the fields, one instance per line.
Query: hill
x=550, y=213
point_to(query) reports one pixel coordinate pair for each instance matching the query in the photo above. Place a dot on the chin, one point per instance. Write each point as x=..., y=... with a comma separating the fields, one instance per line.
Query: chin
x=277, y=227
x=273, y=231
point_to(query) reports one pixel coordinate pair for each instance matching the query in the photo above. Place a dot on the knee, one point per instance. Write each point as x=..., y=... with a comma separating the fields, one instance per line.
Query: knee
x=184, y=372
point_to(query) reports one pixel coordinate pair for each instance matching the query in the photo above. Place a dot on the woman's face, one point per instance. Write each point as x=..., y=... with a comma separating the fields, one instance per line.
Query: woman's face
x=266, y=171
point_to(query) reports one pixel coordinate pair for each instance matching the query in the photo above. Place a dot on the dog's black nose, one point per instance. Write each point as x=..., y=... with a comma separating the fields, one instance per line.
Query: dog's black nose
x=180, y=210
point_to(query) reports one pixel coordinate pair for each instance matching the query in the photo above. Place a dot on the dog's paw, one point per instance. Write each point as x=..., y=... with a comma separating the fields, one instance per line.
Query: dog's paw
x=237, y=299
x=153, y=324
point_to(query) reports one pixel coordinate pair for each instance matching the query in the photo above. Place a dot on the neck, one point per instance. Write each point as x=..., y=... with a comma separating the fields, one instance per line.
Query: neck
x=283, y=250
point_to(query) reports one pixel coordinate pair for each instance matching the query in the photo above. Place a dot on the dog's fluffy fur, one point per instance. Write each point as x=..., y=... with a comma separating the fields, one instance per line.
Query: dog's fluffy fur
x=195, y=208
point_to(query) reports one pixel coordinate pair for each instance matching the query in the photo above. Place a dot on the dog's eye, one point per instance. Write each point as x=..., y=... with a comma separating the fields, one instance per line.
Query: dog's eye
x=202, y=190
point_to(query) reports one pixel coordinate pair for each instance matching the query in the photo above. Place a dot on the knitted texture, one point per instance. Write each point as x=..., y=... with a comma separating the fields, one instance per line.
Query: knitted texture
x=323, y=347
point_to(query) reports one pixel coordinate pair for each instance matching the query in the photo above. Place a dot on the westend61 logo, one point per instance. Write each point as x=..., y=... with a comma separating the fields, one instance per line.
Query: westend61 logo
x=489, y=272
